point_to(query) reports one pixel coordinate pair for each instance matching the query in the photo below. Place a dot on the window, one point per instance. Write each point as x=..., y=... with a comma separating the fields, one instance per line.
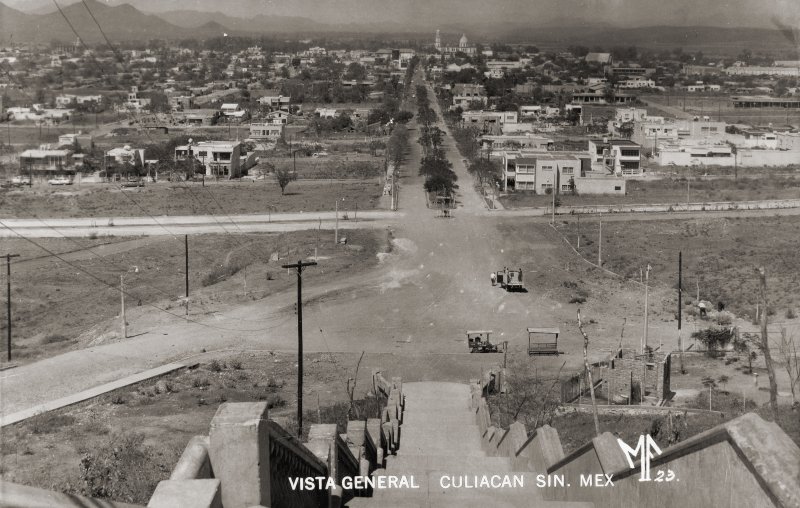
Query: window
x=547, y=168
x=567, y=171
x=617, y=187
x=629, y=152
x=566, y=187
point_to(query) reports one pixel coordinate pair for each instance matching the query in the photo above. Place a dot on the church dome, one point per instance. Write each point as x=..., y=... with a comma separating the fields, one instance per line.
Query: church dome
x=463, y=41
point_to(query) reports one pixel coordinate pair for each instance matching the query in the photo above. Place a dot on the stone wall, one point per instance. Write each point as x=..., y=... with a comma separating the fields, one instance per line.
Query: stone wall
x=744, y=462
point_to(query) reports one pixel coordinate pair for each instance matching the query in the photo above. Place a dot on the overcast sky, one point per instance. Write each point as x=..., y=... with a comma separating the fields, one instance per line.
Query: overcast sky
x=423, y=13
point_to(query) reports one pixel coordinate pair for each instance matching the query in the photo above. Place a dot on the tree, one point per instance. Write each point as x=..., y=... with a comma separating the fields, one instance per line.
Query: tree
x=747, y=344
x=791, y=361
x=283, y=177
x=773, y=384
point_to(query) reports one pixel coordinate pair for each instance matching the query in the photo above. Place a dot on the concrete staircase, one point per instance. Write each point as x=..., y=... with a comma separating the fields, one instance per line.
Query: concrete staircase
x=439, y=437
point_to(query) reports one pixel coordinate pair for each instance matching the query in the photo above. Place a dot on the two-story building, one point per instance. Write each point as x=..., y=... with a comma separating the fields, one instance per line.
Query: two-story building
x=464, y=94
x=266, y=130
x=618, y=156
x=220, y=158
x=45, y=161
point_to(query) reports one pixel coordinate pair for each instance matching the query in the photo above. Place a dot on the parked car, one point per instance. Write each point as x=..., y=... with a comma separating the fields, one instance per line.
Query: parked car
x=133, y=183
x=60, y=180
x=21, y=180
x=319, y=154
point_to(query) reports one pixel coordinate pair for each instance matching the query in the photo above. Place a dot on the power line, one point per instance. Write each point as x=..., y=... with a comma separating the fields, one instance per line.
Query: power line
x=78, y=36
x=115, y=289
x=113, y=49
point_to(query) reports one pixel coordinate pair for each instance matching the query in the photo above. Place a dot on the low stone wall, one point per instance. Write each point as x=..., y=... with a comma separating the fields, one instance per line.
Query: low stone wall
x=18, y=496
x=744, y=462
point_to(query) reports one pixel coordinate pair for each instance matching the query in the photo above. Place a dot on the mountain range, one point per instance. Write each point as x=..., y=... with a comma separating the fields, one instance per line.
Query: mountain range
x=123, y=22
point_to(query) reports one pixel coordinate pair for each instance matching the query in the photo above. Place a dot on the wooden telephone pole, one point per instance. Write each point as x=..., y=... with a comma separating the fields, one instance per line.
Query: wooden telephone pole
x=299, y=267
x=8, y=300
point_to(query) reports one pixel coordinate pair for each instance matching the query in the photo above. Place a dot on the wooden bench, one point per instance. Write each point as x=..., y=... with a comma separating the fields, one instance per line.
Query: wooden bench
x=543, y=347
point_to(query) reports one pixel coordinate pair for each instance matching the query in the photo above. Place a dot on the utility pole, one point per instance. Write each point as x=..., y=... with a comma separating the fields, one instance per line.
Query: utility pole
x=553, y=219
x=186, y=269
x=680, y=306
x=646, y=295
x=687, y=192
x=299, y=267
x=600, y=244
x=336, y=227
x=8, y=300
x=122, y=305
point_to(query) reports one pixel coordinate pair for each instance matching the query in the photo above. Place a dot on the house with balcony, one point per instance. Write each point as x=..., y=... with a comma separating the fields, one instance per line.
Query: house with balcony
x=46, y=161
x=274, y=99
x=464, y=94
x=560, y=172
x=621, y=157
x=222, y=159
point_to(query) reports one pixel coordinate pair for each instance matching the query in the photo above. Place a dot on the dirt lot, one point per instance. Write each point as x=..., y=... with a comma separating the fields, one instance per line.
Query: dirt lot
x=335, y=166
x=673, y=190
x=59, y=307
x=721, y=108
x=718, y=254
x=228, y=198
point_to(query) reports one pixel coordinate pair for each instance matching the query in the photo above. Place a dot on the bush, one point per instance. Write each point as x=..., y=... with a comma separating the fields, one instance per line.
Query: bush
x=124, y=469
x=714, y=338
x=48, y=423
x=216, y=366
x=200, y=382
x=790, y=314
x=54, y=338
x=236, y=364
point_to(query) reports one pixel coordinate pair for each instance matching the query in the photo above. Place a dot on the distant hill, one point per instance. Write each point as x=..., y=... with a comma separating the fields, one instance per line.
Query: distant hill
x=256, y=24
x=122, y=22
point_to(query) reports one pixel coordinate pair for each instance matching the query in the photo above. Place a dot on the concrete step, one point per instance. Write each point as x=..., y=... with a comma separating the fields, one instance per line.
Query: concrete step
x=371, y=502
x=422, y=443
x=436, y=462
x=471, y=486
x=417, y=418
x=445, y=430
x=431, y=491
x=434, y=406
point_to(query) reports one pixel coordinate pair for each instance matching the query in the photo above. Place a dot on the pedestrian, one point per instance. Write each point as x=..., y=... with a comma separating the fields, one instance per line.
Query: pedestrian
x=494, y=279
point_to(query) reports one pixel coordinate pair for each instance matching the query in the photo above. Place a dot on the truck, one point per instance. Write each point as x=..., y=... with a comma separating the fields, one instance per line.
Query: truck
x=510, y=280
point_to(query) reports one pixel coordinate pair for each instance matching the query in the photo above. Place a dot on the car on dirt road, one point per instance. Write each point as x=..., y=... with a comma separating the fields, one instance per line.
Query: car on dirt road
x=60, y=180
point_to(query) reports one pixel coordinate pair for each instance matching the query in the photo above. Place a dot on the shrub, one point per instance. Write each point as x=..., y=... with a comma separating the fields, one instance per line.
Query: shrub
x=714, y=338
x=200, y=382
x=236, y=364
x=724, y=318
x=48, y=423
x=790, y=314
x=54, y=338
x=216, y=366
x=123, y=469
